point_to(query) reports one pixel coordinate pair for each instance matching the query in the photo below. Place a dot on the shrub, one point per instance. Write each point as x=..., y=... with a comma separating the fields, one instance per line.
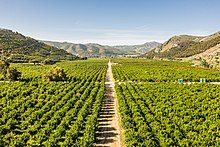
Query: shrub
x=3, y=67
x=13, y=74
x=204, y=63
x=8, y=73
x=55, y=74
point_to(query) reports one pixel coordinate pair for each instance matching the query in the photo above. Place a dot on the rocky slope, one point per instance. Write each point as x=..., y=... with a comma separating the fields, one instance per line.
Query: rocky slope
x=198, y=49
x=211, y=56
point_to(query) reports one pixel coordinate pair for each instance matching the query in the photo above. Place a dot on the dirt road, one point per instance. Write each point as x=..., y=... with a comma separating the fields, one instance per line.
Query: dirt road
x=108, y=134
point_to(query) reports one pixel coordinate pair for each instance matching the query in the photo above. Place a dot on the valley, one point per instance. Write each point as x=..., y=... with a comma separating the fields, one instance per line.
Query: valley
x=114, y=73
x=66, y=94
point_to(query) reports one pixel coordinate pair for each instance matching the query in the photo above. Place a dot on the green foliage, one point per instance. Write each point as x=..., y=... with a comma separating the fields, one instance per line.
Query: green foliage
x=157, y=111
x=204, y=63
x=13, y=74
x=79, y=69
x=49, y=62
x=160, y=71
x=9, y=73
x=18, y=58
x=169, y=114
x=37, y=113
x=3, y=67
x=17, y=48
x=55, y=74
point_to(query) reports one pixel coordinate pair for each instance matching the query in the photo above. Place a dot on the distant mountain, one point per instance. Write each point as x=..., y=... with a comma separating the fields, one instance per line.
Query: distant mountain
x=97, y=50
x=87, y=50
x=141, y=49
x=198, y=49
x=16, y=47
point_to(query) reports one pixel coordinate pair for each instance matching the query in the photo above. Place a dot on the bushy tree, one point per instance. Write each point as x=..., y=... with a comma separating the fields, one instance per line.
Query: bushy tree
x=13, y=74
x=49, y=62
x=9, y=73
x=54, y=74
x=204, y=63
x=3, y=67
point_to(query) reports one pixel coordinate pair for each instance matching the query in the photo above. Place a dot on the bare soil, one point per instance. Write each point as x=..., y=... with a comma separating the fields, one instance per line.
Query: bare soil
x=108, y=134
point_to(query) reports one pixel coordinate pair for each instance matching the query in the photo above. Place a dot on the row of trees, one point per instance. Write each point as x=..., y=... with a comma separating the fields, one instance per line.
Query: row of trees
x=12, y=74
x=40, y=113
x=161, y=71
x=156, y=111
x=169, y=114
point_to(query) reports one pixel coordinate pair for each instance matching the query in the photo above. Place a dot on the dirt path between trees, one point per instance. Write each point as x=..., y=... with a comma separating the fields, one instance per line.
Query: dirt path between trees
x=108, y=134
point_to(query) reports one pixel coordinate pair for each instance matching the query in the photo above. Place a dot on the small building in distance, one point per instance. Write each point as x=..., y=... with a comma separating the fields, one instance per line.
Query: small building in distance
x=180, y=80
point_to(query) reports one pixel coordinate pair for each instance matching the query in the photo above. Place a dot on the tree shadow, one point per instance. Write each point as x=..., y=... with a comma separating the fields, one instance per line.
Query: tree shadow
x=107, y=129
x=106, y=133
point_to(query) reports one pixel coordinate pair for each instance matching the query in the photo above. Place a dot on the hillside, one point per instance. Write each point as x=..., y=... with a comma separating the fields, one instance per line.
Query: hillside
x=97, y=50
x=185, y=46
x=16, y=47
x=210, y=56
x=87, y=50
x=143, y=48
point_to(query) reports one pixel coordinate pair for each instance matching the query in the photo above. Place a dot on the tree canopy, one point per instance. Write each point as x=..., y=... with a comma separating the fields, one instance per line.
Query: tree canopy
x=55, y=74
x=9, y=73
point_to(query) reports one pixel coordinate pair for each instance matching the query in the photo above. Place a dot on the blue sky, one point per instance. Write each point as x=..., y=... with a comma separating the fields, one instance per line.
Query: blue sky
x=110, y=22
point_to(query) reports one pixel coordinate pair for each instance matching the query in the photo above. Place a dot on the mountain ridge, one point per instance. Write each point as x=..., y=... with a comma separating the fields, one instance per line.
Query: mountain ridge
x=97, y=50
x=86, y=50
x=142, y=48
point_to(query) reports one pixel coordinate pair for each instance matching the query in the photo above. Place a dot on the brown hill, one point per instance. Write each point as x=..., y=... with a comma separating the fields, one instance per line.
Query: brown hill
x=184, y=46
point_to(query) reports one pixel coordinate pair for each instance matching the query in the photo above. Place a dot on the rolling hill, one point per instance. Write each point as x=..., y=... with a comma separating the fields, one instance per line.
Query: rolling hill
x=97, y=50
x=87, y=50
x=198, y=49
x=16, y=47
x=141, y=49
